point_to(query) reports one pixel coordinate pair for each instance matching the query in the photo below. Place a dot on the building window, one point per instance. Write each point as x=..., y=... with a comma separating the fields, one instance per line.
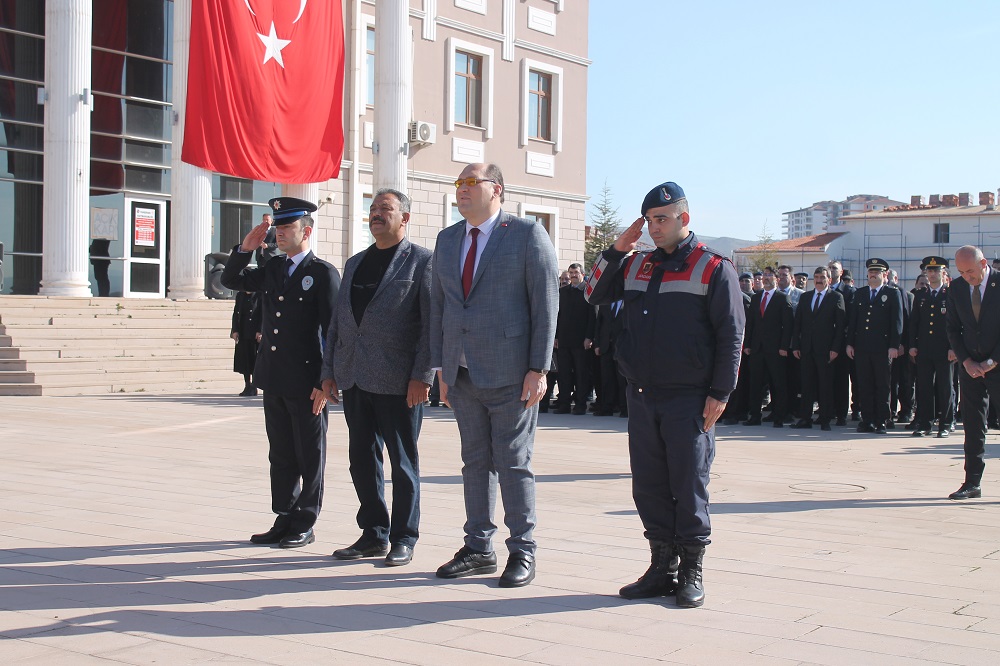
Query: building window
x=543, y=219
x=370, y=64
x=942, y=232
x=539, y=105
x=468, y=89
x=470, y=86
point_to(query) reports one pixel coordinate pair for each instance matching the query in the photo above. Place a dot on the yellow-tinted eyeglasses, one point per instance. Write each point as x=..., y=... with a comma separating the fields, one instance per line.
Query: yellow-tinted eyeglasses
x=472, y=182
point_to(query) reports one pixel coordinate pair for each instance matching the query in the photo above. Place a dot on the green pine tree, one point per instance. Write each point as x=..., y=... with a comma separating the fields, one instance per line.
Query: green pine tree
x=605, y=228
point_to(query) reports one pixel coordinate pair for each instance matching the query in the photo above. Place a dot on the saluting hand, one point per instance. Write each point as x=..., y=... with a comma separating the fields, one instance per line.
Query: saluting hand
x=255, y=238
x=627, y=241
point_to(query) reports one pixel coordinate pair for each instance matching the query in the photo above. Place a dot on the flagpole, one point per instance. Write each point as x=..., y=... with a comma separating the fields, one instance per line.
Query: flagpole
x=393, y=93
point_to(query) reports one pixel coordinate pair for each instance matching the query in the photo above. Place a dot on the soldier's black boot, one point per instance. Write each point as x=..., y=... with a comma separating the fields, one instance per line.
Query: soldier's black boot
x=661, y=577
x=690, y=591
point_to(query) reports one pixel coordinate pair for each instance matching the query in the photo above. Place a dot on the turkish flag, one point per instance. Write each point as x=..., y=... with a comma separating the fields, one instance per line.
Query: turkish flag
x=266, y=89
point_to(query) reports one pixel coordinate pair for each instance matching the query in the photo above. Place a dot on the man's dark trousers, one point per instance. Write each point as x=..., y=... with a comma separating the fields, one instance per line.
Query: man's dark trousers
x=935, y=400
x=290, y=426
x=671, y=458
x=374, y=420
x=977, y=393
x=873, y=386
x=817, y=386
x=574, y=372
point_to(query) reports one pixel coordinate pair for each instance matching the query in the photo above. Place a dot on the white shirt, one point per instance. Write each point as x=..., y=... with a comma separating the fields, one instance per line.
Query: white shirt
x=818, y=298
x=770, y=295
x=296, y=260
x=982, y=285
x=485, y=229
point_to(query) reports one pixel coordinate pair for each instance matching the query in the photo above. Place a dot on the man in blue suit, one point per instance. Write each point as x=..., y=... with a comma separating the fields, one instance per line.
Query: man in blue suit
x=493, y=319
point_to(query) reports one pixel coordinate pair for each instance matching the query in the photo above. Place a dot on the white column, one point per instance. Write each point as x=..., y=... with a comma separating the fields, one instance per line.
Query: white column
x=190, y=186
x=307, y=191
x=393, y=92
x=66, y=173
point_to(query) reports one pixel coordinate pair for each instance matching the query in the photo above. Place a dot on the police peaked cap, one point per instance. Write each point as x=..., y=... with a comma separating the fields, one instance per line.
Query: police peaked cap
x=288, y=209
x=877, y=264
x=934, y=262
x=662, y=195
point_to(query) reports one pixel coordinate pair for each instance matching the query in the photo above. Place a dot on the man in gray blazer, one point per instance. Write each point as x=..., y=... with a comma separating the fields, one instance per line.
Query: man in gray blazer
x=377, y=353
x=493, y=319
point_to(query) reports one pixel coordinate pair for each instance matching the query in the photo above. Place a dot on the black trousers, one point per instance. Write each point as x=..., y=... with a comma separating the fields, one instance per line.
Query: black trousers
x=297, y=454
x=873, y=372
x=374, y=422
x=612, y=394
x=817, y=386
x=842, y=386
x=902, y=388
x=671, y=458
x=935, y=392
x=794, y=384
x=977, y=393
x=768, y=368
x=574, y=375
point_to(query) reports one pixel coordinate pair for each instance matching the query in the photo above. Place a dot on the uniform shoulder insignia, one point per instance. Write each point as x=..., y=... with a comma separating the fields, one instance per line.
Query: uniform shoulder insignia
x=711, y=250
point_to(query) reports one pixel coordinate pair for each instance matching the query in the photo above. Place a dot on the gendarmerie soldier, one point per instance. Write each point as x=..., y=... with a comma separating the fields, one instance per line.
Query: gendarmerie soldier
x=679, y=350
x=874, y=332
x=934, y=357
x=297, y=296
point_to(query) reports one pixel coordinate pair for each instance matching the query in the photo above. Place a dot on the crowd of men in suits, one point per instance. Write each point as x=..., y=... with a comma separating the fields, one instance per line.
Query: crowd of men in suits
x=880, y=354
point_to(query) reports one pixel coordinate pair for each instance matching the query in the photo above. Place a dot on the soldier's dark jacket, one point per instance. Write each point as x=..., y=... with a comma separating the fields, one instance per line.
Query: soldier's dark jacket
x=683, y=317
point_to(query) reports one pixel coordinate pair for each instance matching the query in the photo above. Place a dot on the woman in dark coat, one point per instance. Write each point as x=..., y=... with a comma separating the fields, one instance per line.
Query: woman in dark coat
x=246, y=333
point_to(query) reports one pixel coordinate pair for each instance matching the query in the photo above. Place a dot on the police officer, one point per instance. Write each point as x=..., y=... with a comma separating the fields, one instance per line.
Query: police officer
x=874, y=332
x=934, y=356
x=297, y=296
x=679, y=350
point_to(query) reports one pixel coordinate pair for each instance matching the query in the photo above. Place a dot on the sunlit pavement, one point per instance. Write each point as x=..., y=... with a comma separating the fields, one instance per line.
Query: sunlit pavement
x=124, y=522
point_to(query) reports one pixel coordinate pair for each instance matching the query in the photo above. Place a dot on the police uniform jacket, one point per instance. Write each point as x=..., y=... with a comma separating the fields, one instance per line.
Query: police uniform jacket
x=295, y=316
x=928, y=333
x=682, y=318
x=875, y=327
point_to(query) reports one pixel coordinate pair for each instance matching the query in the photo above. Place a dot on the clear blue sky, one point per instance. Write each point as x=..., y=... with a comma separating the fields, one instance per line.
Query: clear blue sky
x=757, y=108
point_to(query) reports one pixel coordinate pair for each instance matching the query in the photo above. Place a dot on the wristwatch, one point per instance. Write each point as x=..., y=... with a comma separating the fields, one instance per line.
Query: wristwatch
x=989, y=363
x=541, y=372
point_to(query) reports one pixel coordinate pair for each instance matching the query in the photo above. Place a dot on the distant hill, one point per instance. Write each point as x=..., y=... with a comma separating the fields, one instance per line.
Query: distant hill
x=723, y=244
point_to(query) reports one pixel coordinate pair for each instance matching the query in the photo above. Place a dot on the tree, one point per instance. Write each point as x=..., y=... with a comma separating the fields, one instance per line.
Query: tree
x=605, y=227
x=764, y=254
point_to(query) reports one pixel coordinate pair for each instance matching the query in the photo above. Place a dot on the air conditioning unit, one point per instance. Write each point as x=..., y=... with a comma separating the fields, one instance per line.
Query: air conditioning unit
x=423, y=132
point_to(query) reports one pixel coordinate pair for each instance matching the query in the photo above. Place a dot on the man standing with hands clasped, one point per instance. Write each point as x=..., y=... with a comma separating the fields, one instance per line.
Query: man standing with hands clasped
x=377, y=353
x=680, y=351
x=297, y=299
x=973, y=322
x=493, y=323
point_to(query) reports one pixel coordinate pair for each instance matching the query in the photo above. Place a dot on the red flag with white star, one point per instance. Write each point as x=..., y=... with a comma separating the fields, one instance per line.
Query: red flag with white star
x=265, y=94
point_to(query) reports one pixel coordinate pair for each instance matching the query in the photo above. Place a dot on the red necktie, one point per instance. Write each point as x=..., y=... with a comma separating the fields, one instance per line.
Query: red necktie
x=763, y=303
x=469, y=269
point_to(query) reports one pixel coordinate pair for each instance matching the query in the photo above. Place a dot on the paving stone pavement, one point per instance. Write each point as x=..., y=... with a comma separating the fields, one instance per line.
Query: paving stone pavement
x=124, y=522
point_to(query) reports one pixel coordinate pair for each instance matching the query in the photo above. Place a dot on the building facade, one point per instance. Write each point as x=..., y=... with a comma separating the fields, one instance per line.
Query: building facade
x=92, y=106
x=822, y=215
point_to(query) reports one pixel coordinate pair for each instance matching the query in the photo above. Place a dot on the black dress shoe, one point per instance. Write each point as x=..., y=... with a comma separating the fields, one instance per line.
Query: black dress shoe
x=604, y=412
x=880, y=430
x=768, y=418
x=248, y=392
x=802, y=423
x=752, y=422
x=399, y=555
x=825, y=426
x=363, y=547
x=273, y=535
x=468, y=562
x=967, y=491
x=890, y=425
x=841, y=421
x=561, y=410
x=778, y=424
x=866, y=427
x=855, y=416
x=579, y=411
x=943, y=432
x=298, y=539
x=921, y=432
x=520, y=571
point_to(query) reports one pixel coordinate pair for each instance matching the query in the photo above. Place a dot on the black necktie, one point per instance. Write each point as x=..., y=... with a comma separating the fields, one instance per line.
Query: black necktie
x=289, y=264
x=874, y=293
x=817, y=300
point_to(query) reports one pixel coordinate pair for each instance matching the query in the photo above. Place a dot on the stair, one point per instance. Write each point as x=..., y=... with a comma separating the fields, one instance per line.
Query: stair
x=75, y=346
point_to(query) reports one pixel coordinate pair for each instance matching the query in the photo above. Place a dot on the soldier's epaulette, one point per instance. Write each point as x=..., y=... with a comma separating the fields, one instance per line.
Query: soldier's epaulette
x=717, y=253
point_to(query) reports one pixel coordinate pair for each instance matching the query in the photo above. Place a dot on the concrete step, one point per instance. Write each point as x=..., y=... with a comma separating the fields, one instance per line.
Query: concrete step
x=57, y=303
x=181, y=386
x=45, y=368
x=20, y=389
x=13, y=364
x=150, y=349
x=16, y=377
x=27, y=336
x=43, y=317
